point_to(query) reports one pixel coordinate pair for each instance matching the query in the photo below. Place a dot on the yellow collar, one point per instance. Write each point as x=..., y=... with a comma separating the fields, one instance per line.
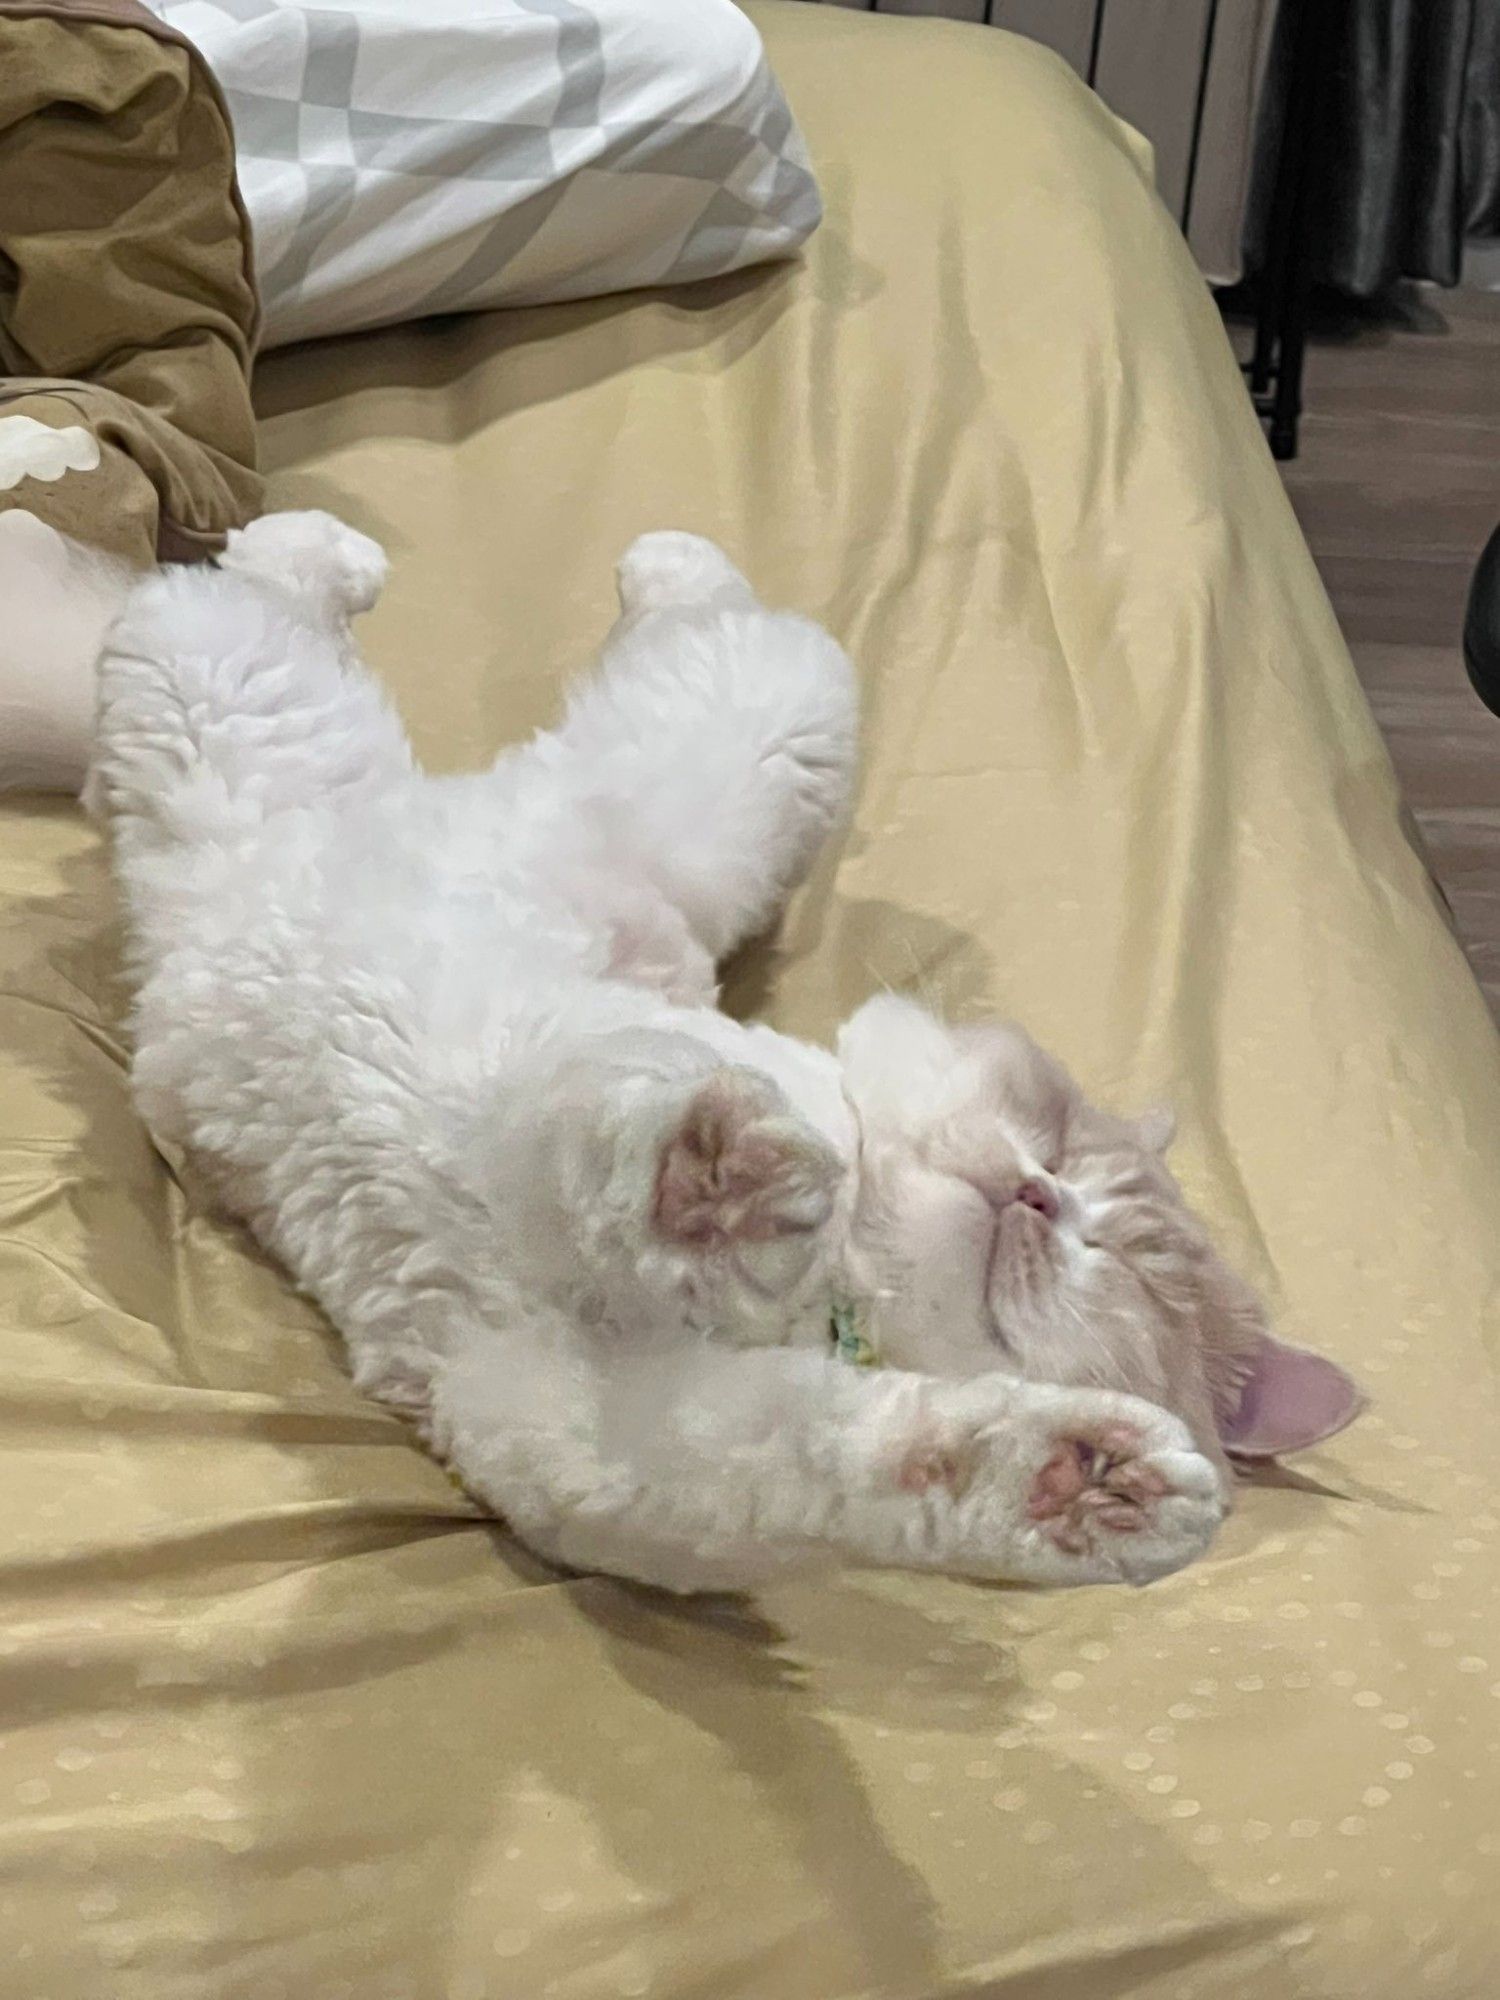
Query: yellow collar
x=851, y=1342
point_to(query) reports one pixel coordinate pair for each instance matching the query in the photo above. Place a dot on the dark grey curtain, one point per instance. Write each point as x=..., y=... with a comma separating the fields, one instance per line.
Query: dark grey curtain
x=1406, y=140
x=1480, y=142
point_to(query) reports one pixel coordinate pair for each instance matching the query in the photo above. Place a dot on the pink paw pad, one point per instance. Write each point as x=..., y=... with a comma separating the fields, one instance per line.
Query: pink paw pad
x=927, y=1466
x=741, y=1169
x=1095, y=1481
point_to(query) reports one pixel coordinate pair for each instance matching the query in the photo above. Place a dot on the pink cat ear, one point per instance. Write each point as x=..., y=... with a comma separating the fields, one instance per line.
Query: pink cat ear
x=1291, y=1399
x=1157, y=1127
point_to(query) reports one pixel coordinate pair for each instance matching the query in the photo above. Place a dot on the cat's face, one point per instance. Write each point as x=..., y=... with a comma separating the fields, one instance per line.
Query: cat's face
x=1002, y=1220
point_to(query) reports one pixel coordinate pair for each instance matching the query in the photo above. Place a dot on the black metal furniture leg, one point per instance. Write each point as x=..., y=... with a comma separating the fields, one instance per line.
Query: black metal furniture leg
x=1275, y=368
x=1482, y=626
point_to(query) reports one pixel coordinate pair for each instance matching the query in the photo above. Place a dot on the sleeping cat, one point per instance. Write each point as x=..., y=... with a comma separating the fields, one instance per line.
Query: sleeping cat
x=449, y=1046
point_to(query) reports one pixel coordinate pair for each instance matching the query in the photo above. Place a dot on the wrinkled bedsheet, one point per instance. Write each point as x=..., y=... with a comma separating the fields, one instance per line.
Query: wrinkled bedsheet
x=285, y=1719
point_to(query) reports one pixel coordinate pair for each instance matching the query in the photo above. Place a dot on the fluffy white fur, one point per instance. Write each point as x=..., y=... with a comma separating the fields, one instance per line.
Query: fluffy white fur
x=449, y=1046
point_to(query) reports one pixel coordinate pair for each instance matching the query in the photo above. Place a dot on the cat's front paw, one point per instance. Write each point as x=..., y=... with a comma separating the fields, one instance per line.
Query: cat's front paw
x=741, y=1168
x=1068, y=1486
x=1122, y=1494
x=1136, y=1500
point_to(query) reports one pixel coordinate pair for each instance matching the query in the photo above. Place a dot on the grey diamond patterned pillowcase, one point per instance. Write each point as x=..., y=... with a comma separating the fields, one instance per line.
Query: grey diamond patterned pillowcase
x=405, y=157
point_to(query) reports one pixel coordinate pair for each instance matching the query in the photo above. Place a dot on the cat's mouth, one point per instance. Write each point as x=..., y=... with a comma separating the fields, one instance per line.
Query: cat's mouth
x=1022, y=1248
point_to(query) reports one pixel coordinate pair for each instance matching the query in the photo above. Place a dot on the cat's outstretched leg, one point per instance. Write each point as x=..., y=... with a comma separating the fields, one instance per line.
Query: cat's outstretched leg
x=229, y=695
x=702, y=1468
x=715, y=745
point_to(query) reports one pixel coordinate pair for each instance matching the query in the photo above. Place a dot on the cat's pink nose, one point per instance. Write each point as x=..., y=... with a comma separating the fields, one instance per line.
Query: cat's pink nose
x=1041, y=1196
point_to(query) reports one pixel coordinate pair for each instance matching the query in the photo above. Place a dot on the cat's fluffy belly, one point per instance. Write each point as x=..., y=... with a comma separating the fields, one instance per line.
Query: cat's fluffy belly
x=448, y=1045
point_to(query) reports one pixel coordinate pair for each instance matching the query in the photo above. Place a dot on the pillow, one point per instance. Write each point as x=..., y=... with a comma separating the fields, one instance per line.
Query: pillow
x=406, y=157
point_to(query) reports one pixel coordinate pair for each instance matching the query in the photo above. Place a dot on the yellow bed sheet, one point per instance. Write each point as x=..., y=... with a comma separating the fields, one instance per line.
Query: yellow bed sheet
x=285, y=1719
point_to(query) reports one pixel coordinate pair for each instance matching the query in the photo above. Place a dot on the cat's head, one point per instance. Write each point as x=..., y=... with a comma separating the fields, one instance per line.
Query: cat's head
x=1002, y=1219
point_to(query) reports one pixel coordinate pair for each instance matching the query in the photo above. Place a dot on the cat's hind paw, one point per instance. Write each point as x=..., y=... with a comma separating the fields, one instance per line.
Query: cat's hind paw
x=668, y=568
x=314, y=554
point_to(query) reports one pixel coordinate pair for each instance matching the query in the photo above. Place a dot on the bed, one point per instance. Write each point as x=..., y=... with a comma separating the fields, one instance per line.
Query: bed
x=285, y=1718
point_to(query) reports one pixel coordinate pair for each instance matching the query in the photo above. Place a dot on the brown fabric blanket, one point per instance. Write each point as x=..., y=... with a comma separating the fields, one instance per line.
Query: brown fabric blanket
x=128, y=309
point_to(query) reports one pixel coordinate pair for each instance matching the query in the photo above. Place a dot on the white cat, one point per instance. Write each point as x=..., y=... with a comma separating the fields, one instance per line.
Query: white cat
x=449, y=1046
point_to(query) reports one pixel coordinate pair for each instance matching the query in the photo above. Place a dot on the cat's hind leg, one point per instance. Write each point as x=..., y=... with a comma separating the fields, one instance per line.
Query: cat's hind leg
x=338, y=571
x=714, y=748
x=670, y=570
x=228, y=696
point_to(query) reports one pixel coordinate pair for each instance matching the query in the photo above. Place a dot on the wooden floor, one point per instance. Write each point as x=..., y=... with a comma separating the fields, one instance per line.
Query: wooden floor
x=1398, y=488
